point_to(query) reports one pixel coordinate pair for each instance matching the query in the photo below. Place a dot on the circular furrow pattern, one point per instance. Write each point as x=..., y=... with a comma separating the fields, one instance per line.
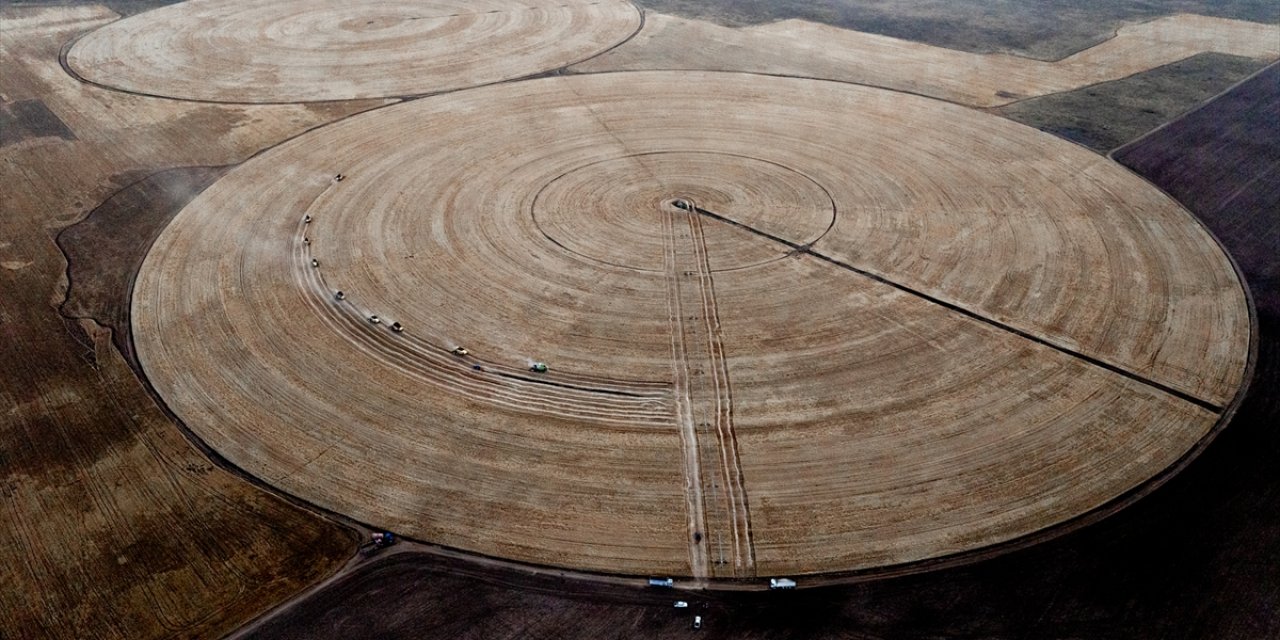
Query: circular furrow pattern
x=611, y=206
x=839, y=327
x=315, y=50
x=580, y=397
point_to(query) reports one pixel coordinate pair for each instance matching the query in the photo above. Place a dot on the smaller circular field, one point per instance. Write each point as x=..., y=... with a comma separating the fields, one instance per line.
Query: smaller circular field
x=316, y=50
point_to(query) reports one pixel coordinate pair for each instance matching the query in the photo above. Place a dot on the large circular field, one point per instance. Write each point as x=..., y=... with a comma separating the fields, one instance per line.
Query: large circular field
x=791, y=326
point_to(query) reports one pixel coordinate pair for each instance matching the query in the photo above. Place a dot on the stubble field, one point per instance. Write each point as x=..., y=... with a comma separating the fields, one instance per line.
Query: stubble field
x=94, y=463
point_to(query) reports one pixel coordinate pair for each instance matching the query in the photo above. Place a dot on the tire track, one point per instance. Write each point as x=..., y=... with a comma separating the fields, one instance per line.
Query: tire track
x=704, y=393
x=731, y=465
x=619, y=403
x=695, y=501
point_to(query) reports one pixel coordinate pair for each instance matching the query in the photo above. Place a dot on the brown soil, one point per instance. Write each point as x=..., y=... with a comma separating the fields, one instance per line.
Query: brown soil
x=813, y=50
x=105, y=250
x=115, y=525
x=1107, y=115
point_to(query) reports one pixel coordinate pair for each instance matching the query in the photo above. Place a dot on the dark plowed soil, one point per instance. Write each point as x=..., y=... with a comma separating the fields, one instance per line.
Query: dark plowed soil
x=1044, y=29
x=1199, y=558
x=1107, y=115
x=30, y=119
x=122, y=7
x=111, y=524
x=1223, y=162
x=105, y=250
x=419, y=596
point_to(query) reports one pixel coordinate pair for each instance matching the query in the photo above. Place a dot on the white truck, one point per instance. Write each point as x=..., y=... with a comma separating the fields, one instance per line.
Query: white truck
x=782, y=583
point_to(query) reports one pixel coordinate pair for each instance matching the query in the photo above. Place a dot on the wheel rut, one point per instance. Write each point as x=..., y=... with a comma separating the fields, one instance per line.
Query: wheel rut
x=705, y=397
x=416, y=352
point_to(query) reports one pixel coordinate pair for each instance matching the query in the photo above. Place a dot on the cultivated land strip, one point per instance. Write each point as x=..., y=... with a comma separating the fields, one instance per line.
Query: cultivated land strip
x=115, y=525
x=984, y=80
x=696, y=502
x=735, y=494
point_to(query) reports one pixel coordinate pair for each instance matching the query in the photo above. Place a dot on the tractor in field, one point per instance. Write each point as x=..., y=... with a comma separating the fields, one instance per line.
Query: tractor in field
x=378, y=541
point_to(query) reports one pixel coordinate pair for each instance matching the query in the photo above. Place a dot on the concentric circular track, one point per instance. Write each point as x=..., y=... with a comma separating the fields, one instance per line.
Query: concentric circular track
x=792, y=326
x=313, y=50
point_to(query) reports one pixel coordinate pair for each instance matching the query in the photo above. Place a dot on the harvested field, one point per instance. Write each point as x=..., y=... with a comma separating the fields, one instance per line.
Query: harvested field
x=696, y=421
x=1195, y=560
x=114, y=525
x=1052, y=296
x=812, y=50
x=309, y=50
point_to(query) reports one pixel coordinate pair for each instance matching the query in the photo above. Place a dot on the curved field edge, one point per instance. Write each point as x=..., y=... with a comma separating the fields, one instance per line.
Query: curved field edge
x=115, y=526
x=1195, y=559
x=118, y=527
